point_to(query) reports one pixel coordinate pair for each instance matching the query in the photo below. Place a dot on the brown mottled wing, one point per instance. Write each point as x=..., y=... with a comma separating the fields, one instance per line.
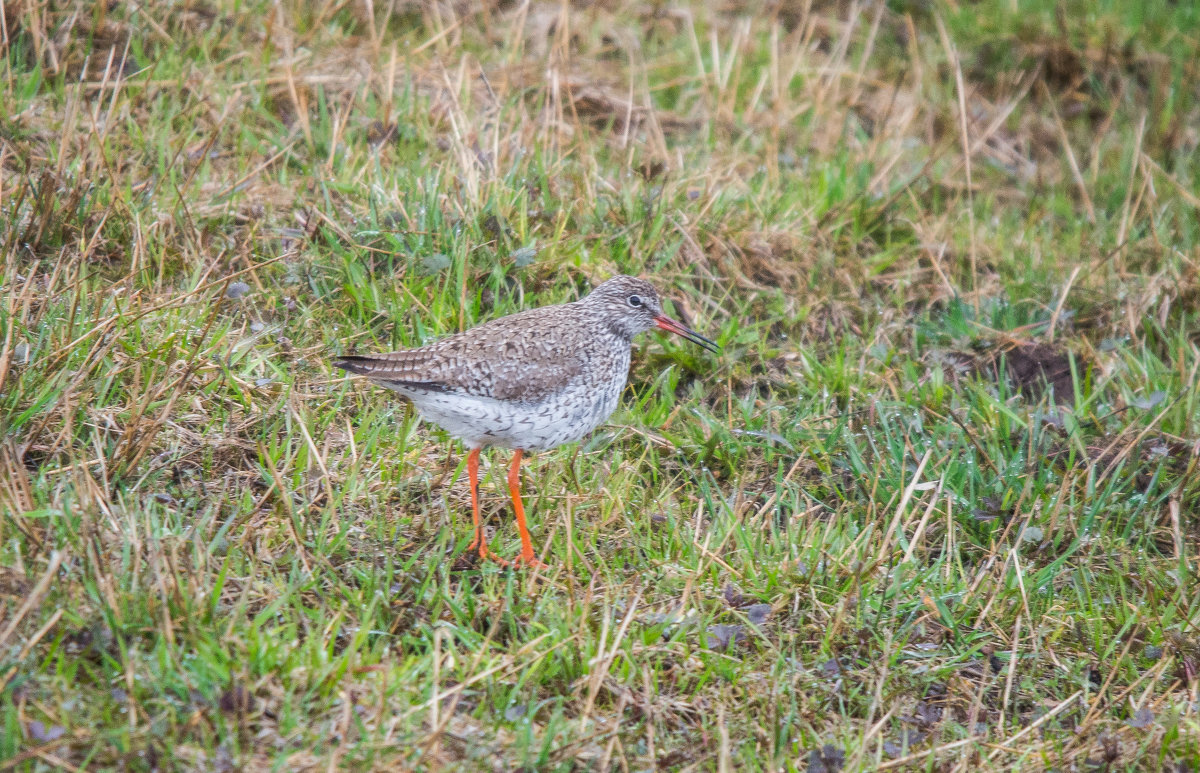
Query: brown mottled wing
x=524, y=357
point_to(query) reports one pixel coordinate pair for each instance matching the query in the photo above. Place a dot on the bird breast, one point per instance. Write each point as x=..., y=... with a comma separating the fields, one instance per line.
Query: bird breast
x=563, y=415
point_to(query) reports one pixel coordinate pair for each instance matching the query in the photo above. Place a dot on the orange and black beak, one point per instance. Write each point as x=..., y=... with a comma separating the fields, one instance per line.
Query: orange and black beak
x=672, y=326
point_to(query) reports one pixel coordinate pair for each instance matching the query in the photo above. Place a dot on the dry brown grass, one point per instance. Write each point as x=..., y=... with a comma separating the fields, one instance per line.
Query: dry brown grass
x=864, y=538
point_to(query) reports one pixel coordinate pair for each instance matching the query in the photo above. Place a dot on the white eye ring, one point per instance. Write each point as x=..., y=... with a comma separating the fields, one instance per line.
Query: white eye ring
x=635, y=300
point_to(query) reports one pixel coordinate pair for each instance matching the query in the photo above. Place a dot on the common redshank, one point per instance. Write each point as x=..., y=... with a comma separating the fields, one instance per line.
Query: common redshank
x=530, y=381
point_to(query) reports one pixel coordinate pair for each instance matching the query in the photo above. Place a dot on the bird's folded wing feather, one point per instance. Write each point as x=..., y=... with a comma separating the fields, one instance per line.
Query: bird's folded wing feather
x=506, y=359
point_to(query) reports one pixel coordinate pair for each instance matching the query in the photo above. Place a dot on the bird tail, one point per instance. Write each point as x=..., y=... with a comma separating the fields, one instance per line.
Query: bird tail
x=363, y=366
x=391, y=370
x=355, y=364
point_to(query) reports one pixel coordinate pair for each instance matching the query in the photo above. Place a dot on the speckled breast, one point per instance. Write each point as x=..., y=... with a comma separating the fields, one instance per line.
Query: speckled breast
x=563, y=416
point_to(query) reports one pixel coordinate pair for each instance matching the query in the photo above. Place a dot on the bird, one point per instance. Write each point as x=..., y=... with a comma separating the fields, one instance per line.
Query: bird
x=529, y=381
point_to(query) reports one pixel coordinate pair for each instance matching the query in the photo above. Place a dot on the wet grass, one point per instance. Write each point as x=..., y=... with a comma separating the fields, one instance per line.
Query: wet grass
x=932, y=507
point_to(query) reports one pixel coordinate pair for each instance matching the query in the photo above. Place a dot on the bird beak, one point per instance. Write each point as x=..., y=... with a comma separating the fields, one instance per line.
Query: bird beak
x=672, y=326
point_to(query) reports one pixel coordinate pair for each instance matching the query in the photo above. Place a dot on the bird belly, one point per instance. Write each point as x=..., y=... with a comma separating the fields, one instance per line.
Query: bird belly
x=477, y=421
x=566, y=418
x=560, y=418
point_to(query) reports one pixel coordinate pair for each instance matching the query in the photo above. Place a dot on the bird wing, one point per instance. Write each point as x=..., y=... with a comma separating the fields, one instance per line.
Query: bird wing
x=519, y=357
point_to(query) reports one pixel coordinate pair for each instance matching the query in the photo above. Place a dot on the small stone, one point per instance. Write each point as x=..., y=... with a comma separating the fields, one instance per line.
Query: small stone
x=1142, y=719
x=758, y=613
x=524, y=256
x=236, y=290
x=39, y=732
x=1148, y=402
x=720, y=637
x=434, y=264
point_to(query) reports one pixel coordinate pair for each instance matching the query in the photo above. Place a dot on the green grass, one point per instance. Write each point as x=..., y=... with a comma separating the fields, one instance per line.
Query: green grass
x=867, y=535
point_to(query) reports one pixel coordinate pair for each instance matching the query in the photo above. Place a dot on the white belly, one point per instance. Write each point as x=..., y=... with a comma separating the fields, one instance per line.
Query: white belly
x=563, y=417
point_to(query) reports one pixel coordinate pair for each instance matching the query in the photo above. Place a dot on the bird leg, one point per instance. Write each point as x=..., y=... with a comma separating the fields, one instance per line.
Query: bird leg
x=527, y=558
x=479, y=541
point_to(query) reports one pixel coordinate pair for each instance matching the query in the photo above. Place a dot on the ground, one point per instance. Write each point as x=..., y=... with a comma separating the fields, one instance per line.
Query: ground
x=934, y=506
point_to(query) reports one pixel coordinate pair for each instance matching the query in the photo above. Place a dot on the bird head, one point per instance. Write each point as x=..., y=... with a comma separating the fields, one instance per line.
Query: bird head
x=631, y=306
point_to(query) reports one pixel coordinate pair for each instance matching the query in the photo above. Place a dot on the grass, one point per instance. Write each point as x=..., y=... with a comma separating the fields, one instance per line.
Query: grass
x=934, y=506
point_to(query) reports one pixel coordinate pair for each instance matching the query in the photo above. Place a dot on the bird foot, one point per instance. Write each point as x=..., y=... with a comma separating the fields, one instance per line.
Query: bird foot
x=487, y=555
x=479, y=546
x=523, y=561
x=529, y=561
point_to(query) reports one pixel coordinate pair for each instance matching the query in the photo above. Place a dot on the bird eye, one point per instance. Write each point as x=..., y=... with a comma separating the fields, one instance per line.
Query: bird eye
x=635, y=300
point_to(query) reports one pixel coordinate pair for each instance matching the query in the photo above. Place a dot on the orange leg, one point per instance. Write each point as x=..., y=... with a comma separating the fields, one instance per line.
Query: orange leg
x=479, y=541
x=527, y=558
